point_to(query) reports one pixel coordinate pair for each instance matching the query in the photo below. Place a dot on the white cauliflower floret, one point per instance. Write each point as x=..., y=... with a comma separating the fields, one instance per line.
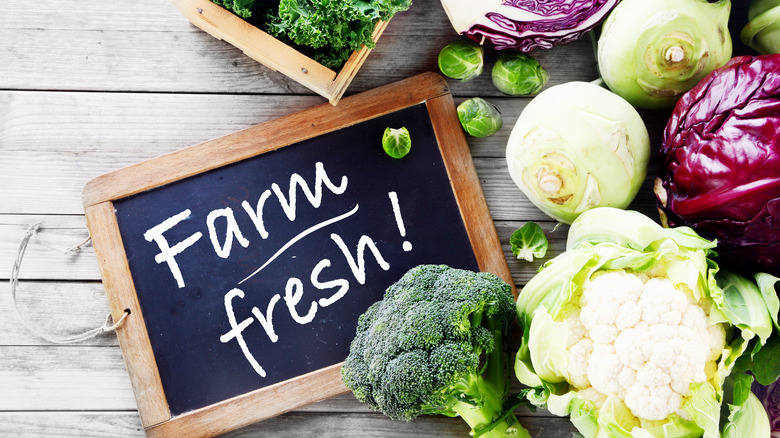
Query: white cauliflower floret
x=642, y=340
x=577, y=362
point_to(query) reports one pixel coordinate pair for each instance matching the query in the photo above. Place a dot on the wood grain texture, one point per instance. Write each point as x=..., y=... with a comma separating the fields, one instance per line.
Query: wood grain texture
x=467, y=189
x=254, y=406
x=133, y=338
x=299, y=424
x=262, y=138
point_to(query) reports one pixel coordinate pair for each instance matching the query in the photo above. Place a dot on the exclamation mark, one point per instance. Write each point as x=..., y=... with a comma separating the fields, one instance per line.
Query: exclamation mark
x=407, y=246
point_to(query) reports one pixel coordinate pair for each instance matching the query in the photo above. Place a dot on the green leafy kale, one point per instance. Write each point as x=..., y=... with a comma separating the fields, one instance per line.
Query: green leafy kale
x=242, y=8
x=326, y=30
x=333, y=28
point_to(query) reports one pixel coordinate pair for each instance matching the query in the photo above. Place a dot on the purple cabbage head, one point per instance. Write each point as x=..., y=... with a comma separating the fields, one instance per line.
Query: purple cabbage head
x=770, y=398
x=526, y=25
x=720, y=162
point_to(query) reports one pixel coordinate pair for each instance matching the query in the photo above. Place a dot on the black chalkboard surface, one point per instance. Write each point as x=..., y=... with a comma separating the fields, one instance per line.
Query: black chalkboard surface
x=246, y=261
x=329, y=245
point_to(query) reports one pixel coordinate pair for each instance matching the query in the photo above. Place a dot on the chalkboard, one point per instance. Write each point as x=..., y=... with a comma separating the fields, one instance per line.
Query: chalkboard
x=250, y=272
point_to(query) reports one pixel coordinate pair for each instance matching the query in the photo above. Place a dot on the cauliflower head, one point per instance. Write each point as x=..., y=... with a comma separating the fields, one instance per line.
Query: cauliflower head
x=642, y=340
x=629, y=334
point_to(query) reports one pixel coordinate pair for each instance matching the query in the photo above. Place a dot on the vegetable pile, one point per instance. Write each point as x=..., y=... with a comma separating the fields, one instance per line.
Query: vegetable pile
x=630, y=333
x=641, y=328
x=435, y=345
x=721, y=162
x=328, y=31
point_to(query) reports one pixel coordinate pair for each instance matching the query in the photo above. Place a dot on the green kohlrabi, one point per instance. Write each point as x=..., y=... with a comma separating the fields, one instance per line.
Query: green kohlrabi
x=518, y=74
x=762, y=32
x=577, y=146
x=630, y=334
x=652, y=51
x=528, y=242
x=479, y=117
x=461, y=60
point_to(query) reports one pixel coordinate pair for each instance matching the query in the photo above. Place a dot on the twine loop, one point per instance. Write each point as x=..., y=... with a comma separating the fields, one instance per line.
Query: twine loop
x=107, y=326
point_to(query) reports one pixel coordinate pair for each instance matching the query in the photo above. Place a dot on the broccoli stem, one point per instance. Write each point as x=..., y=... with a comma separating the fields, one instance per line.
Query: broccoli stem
x=485, y=411
x=483, y=418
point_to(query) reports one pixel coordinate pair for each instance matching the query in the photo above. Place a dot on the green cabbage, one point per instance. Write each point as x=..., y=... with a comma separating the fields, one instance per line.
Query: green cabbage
x=605, y=240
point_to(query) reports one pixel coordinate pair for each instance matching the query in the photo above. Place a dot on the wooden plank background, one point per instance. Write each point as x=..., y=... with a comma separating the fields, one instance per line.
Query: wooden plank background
x=89, y=86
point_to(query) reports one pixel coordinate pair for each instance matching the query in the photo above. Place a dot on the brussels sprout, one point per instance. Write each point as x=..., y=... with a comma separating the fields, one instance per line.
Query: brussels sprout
x=650, y=52
x=479, y=118
x=396, y=142
x=461, y=60
x=517, y=74
x=528, y=242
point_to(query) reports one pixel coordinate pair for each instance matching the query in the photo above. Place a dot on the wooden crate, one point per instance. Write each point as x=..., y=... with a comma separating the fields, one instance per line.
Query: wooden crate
x=274, y=54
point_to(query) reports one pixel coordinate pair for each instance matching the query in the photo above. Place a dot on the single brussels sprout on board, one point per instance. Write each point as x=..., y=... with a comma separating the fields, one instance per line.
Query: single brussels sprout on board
x=396, y=142
x=518, y=74
x=462, y=60
x=479, y=118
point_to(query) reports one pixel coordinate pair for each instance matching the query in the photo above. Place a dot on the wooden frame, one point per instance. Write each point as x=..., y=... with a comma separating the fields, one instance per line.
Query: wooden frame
x=271, y=52
x=100, y=194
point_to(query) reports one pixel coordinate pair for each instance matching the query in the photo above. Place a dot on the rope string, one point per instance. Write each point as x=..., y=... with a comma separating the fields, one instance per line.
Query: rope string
x=107, y=326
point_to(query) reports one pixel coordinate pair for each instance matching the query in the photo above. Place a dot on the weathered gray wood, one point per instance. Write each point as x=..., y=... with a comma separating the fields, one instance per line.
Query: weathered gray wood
x=299, y=424
x=46, y=257
x=147, y=45
x=93, y=378
x=56, y=310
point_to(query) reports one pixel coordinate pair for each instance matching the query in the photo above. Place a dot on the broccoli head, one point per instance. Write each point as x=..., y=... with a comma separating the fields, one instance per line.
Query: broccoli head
x=435, y=345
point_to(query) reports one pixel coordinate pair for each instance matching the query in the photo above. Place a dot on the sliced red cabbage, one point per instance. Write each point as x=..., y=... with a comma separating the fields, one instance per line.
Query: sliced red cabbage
x=526, y=25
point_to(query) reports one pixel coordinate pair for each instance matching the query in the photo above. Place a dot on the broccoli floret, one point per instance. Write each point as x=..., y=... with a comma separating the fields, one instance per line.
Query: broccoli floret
x=435, y=345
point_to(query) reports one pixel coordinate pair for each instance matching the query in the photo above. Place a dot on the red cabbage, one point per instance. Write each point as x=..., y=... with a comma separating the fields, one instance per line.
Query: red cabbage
x=770, y=398
x=526, y=25
x=720, y=162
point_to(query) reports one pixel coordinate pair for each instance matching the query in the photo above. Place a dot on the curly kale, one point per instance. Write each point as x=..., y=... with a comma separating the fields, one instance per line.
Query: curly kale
x=242, y=8
x=327, y=30
x=435, y=345
x=333, y=28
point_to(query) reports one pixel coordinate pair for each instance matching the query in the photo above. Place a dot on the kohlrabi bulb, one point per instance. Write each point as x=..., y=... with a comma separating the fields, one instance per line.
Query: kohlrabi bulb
x=479, y=118
x=461, y=60
x=517, y=74
x=762, y=32
x=577, y=146
x=652, y=51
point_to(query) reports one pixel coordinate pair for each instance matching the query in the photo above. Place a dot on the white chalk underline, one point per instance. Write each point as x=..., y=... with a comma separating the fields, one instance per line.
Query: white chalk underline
x=300, y=236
